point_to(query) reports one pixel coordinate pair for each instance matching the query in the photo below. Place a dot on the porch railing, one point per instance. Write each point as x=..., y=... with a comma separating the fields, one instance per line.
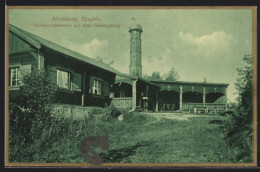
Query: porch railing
x=204, y=108
x=123, y=102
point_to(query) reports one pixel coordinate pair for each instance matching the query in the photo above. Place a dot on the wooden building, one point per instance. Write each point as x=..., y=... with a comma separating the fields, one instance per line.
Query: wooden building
x=191, y=96
x=133, y=92
x=79, y=80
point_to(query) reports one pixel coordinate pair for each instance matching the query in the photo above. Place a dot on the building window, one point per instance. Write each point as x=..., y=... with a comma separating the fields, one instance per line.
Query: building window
x=63, y=79
x=97, y=87
x=13, y=77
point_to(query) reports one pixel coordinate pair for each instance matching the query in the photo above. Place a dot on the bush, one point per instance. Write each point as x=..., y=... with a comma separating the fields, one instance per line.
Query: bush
x=110, y=112
x=29, y=112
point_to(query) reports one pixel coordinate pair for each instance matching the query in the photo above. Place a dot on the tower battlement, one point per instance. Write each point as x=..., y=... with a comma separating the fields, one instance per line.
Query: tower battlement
x=136, y=27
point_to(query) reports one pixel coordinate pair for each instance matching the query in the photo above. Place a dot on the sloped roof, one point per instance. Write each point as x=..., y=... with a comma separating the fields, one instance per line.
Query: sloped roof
x=39, y=42
x=122, y=76
x=126, y=77
x=189, y=82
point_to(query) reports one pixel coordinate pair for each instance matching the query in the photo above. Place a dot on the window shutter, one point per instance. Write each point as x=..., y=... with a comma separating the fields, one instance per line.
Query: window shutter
x=52, y=74
x=77, y=82
x=102, y=88
x=22, y=71
x=90, y=85
x=25, y=69
x=20, y=76
x=105, y=87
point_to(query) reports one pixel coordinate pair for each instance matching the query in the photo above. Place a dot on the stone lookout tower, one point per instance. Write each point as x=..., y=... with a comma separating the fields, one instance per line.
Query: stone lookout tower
x=135, y=67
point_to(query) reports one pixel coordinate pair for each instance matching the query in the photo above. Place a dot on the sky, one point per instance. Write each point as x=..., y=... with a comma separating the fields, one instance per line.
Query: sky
x=198, y=43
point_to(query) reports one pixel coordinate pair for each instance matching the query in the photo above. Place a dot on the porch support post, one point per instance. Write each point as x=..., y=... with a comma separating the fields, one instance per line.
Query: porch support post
x=147, y=94
x=83, y=89
x=156, y=106
x=181, y=98
x=134, y=94
x=204, y=95
x=40, y=60
x=147, y=90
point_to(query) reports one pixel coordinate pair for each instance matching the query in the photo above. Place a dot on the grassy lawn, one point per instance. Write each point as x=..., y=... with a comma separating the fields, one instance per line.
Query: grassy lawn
x=164, y=140
x=139, y=138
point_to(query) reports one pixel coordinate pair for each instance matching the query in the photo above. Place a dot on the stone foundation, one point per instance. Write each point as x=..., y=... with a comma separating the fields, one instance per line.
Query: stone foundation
x=74, y=111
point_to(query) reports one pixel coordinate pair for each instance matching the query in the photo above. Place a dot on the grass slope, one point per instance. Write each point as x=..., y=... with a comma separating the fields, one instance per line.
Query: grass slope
x=139, y=138
x=173, y=141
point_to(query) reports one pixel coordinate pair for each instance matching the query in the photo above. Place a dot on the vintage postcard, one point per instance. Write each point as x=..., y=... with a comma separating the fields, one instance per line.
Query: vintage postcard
x=131, y=86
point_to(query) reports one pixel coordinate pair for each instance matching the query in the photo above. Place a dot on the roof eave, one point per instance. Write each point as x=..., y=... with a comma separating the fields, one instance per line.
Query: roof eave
x=24, y=37
x=79, y=60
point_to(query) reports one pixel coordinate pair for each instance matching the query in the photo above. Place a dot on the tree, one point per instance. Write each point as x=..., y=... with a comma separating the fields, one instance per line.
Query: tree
x=244, y=88
x=172, y=75
x=239, y=126
x=154, y=76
